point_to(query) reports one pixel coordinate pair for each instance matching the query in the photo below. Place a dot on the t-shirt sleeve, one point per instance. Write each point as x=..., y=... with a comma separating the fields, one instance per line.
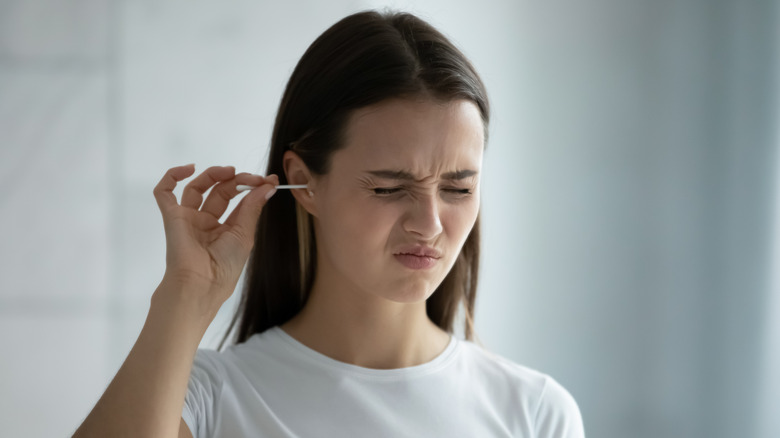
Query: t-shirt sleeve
x=203, y=393
x=558, y=415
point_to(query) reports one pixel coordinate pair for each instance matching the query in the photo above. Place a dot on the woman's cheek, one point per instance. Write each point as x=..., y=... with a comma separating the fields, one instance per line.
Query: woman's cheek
x=463, y=217
x=367, y=219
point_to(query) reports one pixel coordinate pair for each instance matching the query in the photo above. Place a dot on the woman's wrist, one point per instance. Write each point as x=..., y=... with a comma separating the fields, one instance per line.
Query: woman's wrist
x=195, y=303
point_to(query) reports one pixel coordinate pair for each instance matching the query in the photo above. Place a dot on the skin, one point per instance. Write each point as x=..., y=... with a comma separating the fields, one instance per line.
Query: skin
x=365, y=307
x=204, y=259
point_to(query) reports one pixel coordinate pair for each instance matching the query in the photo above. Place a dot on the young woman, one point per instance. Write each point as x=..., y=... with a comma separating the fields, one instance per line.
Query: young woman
x=354, y=282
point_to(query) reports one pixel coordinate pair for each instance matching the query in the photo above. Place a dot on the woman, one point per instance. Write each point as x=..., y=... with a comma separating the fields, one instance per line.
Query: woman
x=354, y=282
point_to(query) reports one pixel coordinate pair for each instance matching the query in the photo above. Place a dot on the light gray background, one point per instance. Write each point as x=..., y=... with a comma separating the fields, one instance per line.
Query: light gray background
x=628, y=195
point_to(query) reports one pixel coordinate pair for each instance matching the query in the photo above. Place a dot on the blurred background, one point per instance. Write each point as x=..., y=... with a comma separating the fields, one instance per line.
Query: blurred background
x=629, y=190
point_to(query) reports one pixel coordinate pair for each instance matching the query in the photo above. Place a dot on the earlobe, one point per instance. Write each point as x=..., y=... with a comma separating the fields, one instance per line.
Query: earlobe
x=296, y=172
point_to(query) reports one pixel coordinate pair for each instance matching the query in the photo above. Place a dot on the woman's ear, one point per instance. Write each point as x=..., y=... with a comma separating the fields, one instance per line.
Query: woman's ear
x=296, y=172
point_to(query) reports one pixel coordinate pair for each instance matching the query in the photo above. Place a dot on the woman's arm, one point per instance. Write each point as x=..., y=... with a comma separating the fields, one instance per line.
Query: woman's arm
x=146, y=396
x=204, y=259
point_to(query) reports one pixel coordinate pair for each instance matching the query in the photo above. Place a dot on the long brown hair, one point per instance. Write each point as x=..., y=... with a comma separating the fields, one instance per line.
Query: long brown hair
x=363, y=59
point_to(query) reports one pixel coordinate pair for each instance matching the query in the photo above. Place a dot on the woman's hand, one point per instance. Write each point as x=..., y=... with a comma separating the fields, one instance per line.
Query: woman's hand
x=204, y=258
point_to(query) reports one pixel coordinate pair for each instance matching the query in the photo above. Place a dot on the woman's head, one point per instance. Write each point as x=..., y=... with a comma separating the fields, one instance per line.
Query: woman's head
x=368, y=66
x=398, y=201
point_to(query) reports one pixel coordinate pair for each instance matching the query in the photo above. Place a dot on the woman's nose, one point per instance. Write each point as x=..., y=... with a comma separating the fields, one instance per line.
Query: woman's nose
x=423, y=218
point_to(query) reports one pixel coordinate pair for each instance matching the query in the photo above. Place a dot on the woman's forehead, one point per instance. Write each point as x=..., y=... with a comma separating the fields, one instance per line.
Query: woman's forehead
x=415, y=135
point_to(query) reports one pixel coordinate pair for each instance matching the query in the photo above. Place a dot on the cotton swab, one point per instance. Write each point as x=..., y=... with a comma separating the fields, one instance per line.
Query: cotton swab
x=242, y=187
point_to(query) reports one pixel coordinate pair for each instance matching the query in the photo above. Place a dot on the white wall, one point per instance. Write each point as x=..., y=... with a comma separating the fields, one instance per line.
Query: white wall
x=627, y=204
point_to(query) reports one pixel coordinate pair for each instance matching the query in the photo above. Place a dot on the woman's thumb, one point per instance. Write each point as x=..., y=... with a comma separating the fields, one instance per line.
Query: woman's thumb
x=244, y=219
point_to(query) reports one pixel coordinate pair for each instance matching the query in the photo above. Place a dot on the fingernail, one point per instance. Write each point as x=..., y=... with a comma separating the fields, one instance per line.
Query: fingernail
x=269, y=194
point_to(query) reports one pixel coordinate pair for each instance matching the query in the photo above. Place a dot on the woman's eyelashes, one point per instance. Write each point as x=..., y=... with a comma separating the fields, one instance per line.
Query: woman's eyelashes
x=452, y=191
x=386, y=190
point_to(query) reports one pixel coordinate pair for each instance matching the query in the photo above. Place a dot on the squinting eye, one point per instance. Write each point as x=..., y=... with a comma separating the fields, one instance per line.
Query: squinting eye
x=386, y=190
x=394, y=190
x=458, y=191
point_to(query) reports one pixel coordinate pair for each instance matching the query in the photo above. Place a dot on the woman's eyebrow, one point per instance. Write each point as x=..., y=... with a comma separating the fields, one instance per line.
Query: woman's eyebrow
x=407, y=176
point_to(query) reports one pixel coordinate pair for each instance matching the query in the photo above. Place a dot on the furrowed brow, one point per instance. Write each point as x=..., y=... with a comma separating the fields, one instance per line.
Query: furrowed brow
x=406, y=176
x=459, y=174
x=392, y=174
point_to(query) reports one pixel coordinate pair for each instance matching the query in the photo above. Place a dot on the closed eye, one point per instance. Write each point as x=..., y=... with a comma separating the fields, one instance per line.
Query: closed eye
x=386, y=190
x=459, y=191
x=393, y=190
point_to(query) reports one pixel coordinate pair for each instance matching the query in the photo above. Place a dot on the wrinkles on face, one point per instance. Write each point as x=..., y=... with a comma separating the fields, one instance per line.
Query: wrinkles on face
x=409, y=174
x=415, y=188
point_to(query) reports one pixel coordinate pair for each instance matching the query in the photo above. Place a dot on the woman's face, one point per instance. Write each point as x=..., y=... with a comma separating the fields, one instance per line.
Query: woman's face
x=400, y=198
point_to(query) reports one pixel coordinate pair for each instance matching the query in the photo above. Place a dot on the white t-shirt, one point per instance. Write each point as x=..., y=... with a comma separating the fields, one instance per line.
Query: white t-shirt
x=274, y=386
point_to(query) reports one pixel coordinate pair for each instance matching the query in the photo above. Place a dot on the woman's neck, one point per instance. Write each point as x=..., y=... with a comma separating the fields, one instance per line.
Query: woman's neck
x=362, y=329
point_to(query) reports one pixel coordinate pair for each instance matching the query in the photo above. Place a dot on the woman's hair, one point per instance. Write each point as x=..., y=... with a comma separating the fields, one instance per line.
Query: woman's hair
x=363, y=59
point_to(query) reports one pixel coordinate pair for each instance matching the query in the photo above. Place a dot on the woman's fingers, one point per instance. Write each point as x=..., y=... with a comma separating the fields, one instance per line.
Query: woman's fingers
x=222, y=181
x=219, y=198
x=163, y=191
x=192, y=196
x=243, y=219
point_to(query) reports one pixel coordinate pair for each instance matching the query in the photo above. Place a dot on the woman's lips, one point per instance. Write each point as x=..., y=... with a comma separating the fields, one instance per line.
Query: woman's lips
x=412, y=261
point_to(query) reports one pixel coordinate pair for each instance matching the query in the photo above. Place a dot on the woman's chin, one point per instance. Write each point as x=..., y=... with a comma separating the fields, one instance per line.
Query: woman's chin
x=411, y=293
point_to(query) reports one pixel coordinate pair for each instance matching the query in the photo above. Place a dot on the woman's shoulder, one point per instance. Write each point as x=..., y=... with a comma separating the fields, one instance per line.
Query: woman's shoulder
x=553, y=406
x=221, y=361
x=494, y=366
